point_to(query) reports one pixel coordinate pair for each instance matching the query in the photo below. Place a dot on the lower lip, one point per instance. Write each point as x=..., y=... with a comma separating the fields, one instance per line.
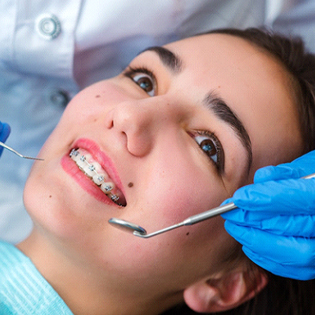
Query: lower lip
x=87, y=184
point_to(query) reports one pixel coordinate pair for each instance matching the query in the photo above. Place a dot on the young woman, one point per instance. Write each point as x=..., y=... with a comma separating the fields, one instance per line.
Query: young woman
x=175, y=134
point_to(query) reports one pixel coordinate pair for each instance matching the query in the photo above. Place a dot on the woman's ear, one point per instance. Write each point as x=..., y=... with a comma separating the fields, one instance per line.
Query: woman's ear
x=226, y=292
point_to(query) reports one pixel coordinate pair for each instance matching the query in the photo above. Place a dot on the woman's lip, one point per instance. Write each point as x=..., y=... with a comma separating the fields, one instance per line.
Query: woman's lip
x=72, y=169
x=87, y=184
x=100, y=157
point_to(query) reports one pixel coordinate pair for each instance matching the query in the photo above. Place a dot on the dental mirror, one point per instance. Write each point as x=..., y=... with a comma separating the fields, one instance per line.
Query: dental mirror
x=139, y=231
x=127, y=226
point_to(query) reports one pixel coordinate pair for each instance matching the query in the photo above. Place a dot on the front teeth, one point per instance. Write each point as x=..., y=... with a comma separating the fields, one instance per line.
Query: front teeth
x=98, y=179
x=94, y=171
x=107, y=187
x=89, y=170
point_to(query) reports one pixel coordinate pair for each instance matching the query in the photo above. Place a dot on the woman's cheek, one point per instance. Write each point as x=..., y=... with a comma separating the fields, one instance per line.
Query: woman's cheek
x=178, y=200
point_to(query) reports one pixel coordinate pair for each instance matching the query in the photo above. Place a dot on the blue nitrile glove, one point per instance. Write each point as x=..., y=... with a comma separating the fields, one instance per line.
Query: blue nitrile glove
x=4, y=133
x=275, y=221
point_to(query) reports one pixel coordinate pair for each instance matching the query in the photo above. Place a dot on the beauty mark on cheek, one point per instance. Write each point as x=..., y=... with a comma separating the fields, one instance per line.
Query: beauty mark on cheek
x=130, y=184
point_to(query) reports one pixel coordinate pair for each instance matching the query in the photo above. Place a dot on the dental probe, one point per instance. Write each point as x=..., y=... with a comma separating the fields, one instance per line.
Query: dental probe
x=139, y=231
x=19, y=154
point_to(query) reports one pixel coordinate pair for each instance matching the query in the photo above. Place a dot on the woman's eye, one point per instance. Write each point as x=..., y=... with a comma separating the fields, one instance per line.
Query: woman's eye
x=145, y=82
x=144, y=78
x=211, y=146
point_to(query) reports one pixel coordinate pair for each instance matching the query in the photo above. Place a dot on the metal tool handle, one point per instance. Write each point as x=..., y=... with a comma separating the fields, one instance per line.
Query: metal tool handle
x=209, y=214
x=220, y=210
x=19, y=154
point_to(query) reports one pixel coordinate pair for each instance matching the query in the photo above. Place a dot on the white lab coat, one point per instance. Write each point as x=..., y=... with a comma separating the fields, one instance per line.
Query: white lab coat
x=49, y=50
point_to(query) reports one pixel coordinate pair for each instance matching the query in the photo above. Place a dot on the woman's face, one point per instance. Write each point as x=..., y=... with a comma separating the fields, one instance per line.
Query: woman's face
x=172, y=133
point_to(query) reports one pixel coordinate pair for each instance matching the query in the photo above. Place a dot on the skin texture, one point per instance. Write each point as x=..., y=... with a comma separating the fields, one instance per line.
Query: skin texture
x=151, y=143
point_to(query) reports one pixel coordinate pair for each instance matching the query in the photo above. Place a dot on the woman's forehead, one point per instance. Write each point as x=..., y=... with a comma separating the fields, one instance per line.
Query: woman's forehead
x=225, y=49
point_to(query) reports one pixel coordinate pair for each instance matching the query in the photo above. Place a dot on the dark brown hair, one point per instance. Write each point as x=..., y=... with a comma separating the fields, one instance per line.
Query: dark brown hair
x=282, y=296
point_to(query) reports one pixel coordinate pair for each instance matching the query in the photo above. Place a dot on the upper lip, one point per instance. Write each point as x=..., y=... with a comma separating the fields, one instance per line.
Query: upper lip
x=100, y=157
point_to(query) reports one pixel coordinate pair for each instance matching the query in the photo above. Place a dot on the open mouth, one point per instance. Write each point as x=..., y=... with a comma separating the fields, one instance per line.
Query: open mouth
x=94, y=171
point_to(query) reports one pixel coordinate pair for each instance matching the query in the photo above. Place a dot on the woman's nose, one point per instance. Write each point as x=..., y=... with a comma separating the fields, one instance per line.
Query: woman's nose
x=139, y=122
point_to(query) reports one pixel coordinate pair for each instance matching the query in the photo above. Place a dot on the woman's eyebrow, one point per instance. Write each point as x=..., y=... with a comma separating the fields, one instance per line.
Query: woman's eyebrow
x=220, y=108
x=168, y=58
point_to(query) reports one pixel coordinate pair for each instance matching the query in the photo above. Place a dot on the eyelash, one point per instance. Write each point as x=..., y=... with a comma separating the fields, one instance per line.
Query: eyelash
x=218, y=162
x=131, y=73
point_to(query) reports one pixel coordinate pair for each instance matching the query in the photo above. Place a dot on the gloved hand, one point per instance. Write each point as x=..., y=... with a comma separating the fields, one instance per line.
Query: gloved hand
x=275, y=221
x=4, y=133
